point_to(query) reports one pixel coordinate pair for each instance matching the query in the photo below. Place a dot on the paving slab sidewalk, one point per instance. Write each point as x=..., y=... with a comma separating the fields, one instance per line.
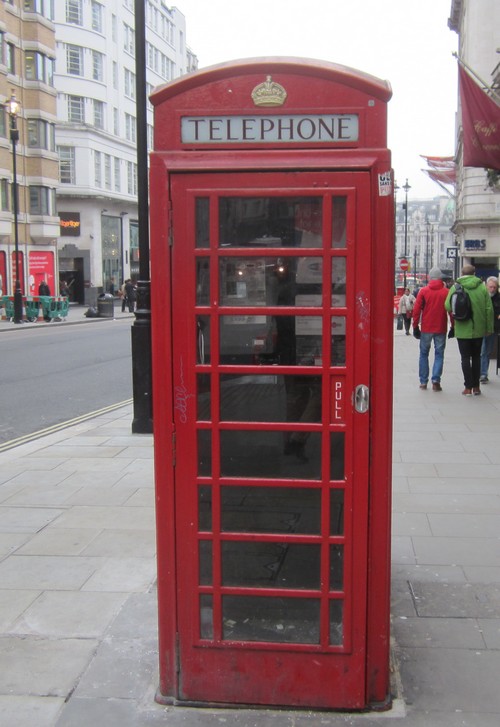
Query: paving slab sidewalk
x=77, y=571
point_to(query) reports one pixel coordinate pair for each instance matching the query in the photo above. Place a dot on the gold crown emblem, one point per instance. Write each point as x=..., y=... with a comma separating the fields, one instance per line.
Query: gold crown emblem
x=269, y=93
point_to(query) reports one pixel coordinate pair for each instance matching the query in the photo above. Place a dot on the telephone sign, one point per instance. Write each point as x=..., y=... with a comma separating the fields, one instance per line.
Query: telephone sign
x=272, y=482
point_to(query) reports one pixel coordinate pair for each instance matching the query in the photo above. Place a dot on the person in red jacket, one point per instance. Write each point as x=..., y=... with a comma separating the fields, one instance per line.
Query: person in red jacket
x=430, y=323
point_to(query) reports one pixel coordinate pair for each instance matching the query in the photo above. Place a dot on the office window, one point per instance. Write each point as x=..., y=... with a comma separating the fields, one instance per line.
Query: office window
x=98, y=168
x=97, y=66
x=107, y=171
x=130, y=127
x=41, y=134
x=96, y=16
x=98, y=114
x=76, y=109
x=129, y=84
x=128, y=39
x=115, y=75
x=74, y=60
x=117, y=174
x=4, y=195
x=42, y=7
x=132, y=178
x=11, y=58
x=74, y=12
x=116, y=122
x=66, y=164
x=42, y=200
x=3, y=122
x=38, y=67
x=114, y=28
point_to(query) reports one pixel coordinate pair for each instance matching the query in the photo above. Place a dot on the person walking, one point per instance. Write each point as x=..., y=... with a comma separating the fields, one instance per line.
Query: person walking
x=405, y=309
x=489, y=341
x=470, y=333
x=430, y=323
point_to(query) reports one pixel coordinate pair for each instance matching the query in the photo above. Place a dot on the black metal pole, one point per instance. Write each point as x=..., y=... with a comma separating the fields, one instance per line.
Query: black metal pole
x=406, y=187
x=142, y=380
x=18, y=296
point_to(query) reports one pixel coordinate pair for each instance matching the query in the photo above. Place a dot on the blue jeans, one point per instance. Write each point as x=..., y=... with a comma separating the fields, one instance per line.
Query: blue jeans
x=486, y=350
x=423, y=363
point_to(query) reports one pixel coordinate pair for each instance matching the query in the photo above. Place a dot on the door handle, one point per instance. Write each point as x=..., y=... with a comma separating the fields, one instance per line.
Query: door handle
x=362, y=398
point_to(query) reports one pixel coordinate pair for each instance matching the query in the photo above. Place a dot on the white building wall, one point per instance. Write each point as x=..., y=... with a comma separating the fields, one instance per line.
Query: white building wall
x=477, y=23
x=115, y=142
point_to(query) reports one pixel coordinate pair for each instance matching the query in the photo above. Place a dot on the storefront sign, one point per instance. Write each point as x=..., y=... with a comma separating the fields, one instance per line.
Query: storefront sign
x=475, y=244
x=69, y=223
x=324, y=128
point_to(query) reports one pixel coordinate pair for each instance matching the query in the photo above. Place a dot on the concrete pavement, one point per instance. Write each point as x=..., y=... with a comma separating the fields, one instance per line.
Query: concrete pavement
x=76, y=314
x=77, y=571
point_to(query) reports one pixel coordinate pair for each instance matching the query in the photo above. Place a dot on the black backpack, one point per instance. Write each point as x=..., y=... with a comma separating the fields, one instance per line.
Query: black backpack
x=461, y=306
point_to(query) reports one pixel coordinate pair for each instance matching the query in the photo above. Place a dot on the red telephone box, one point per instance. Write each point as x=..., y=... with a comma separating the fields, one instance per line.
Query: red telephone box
x=272, y=281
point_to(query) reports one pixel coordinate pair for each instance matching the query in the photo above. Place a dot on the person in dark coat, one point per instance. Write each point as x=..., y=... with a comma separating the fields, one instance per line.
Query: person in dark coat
x=131, y=295
x=489, y=341
x=43, y=288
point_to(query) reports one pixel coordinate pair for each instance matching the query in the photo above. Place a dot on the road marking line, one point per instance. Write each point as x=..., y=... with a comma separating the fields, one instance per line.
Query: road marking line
x=62, y=425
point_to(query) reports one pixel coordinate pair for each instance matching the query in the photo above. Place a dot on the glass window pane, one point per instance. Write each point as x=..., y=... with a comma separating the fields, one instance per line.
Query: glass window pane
x=336, y=623
x=203, y=339
x=338, y=341
x=202, y=217
x=339, y=282
x=270, y=222
x=339, y=221
x=271, y=454
x=271, y=510
x=336, y=567
x=278, y=620
x=202, y=281
x=204, y=452
x=205, y=508
x=337, y=456
x=203, y=412
x=260, y=281
x=270, y=565
x=261, y=339
x=268, y=398
x=205, y=561
x=206, y=617
x=336, y=512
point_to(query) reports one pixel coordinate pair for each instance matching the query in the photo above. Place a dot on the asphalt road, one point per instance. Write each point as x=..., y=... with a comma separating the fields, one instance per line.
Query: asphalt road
x=57, y=373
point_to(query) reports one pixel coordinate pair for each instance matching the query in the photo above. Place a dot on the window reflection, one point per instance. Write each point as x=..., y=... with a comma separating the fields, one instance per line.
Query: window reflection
x=266, y=454
x=339, y=221
x=270, y=510
x=202, y=222
x=270, y=565
x=202, y=281
x=270, y=222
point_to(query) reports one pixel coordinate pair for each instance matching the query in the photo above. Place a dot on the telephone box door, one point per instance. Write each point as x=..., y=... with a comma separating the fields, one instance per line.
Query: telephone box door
x=271, y=366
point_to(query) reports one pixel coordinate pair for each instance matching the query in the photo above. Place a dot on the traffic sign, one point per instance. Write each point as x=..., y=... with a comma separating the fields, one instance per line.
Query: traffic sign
x=404, y=264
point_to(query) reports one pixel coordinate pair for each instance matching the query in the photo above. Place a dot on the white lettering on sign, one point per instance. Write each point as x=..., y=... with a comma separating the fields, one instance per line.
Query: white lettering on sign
x=338, y=406
x=333, y=128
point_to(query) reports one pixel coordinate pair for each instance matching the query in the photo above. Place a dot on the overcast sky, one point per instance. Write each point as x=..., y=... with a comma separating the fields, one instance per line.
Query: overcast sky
x=406, y=42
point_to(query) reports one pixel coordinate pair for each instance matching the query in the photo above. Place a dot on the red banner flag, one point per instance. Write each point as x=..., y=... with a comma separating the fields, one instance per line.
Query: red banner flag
x=480, y=124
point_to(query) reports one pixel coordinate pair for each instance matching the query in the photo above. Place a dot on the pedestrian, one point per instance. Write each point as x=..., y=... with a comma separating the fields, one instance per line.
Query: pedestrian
x=489, y=341
x=405, y=309
x=123, y=294
x=130, y=293
x=470, y=333
x=43, y=288
x=111, y=286
x=430, y=324
x=64, y=289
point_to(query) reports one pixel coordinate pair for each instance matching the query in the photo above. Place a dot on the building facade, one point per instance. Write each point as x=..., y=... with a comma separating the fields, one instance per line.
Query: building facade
x=477, y=226
x=27, y=61
x=96, y=132
x=428, y=241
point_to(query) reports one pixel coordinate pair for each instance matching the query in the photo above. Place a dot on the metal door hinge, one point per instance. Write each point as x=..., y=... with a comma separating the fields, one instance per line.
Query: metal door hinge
x=177, y=655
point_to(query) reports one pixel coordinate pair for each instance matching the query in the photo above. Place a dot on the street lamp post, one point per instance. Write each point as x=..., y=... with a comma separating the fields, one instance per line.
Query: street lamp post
x=13, y=108
x=406, y=188
x=428, y=227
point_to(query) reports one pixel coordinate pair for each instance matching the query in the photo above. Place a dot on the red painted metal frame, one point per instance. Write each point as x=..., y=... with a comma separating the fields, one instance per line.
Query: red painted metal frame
x=207, y=90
